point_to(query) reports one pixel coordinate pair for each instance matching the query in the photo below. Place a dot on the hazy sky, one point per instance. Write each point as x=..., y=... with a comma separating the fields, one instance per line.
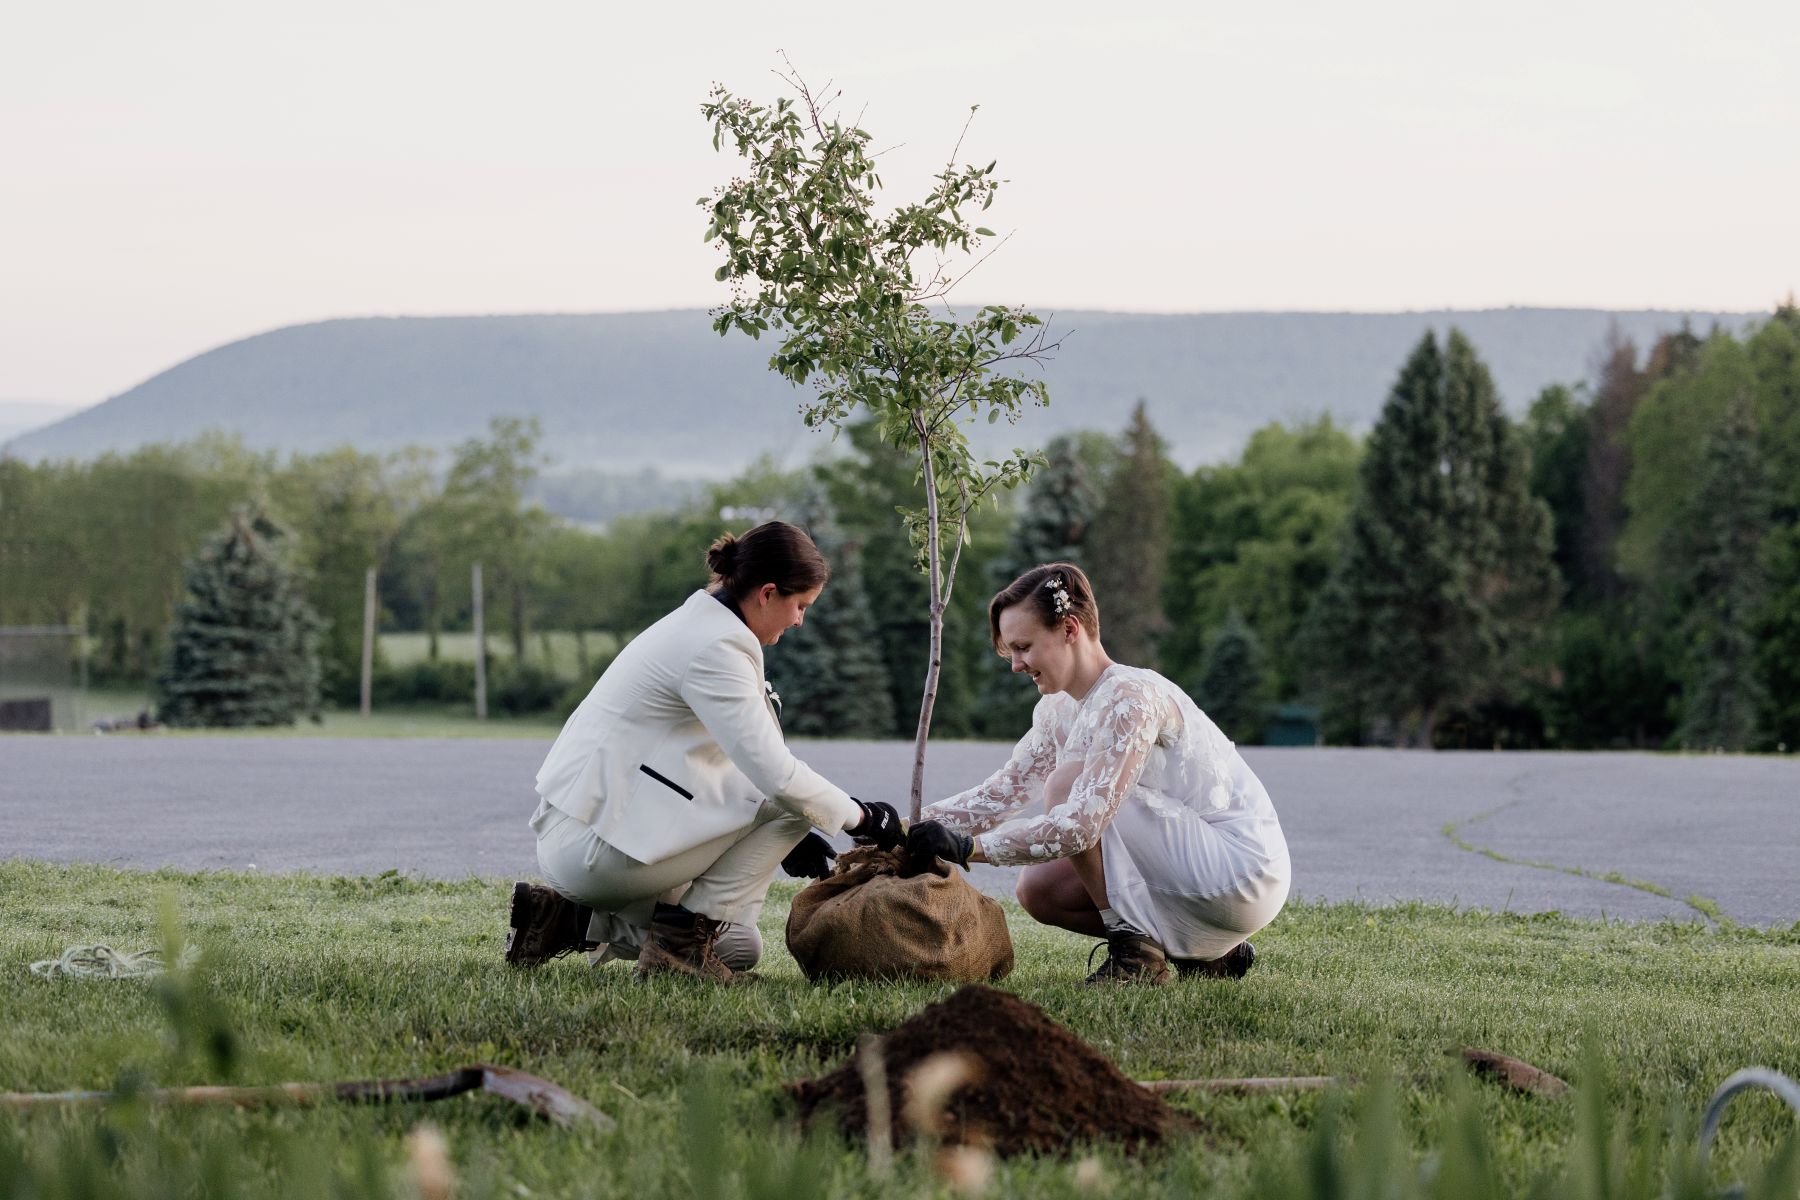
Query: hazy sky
x=179, y=174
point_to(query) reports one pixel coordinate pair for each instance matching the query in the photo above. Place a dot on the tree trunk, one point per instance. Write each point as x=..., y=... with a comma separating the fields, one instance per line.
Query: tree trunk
x=368, y=641
x=475, y=590
x=517, y=614
x=1428, y=727
x=933, y=556
x=434, y=619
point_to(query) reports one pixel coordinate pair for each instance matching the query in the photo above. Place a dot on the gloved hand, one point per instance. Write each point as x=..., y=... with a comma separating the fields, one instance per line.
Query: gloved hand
x=811, y=859
x=880, y=826
x=932, y=839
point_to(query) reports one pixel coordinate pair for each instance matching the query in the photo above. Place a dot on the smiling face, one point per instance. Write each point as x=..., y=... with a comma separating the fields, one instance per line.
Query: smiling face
x=771, y=614
x=1045, y=653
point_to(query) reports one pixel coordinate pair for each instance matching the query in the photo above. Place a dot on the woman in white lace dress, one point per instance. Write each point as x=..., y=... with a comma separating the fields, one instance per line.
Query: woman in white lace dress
x=1153, y=832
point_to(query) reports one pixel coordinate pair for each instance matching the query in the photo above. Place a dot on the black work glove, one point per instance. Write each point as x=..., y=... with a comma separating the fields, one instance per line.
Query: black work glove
x=880, y=826
x=931, y=839
x=811, y=859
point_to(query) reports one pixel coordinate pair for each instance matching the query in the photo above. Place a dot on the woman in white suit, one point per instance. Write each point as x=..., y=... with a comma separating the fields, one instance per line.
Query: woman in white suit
x=669, y=798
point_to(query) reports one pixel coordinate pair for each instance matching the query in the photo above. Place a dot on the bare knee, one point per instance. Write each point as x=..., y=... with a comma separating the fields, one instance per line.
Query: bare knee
x=1037, y=895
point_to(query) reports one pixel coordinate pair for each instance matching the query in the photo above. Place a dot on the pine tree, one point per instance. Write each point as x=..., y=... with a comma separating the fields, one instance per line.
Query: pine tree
x=1445, y=572
x=243, y=649
x=829, y=672
x=1233, y=687
x=1059, y=508
x=1722, y=696
x=1128, y=546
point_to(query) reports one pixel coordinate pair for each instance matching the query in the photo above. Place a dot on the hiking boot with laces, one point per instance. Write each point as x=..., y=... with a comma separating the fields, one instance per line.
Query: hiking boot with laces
x=1132, y=957
x=545, y=925
x=1235, y=963
x=680, y=942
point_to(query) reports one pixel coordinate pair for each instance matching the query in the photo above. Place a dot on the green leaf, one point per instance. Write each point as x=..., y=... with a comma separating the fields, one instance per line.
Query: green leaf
x=984, y=231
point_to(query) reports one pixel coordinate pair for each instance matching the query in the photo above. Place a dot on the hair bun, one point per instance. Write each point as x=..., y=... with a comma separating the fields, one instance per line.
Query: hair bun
x=723, y=556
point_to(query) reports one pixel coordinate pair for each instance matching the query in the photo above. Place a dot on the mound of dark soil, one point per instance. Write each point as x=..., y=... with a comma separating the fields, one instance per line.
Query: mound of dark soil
x=1042, y=1090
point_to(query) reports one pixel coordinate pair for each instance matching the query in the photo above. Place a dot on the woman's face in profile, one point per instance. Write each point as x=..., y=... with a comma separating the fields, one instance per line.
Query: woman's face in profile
x=1036, y=649
x=771, y=614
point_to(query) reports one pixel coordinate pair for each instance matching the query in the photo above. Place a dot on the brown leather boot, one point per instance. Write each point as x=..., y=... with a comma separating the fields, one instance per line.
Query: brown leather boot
x=680, y=942
x=1235, y=963
x=1132, y=958
x=545, y=925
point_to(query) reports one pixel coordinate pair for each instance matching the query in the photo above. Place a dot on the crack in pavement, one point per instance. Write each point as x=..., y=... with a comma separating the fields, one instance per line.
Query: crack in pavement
x=1706, y=906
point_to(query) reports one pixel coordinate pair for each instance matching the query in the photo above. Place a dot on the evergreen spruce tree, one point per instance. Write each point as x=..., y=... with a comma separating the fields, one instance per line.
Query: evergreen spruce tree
x=1233, y=687
x=829, y=672
x=1445, y=572
x=1722, y=696
x=1059, y=508
x=1128, y=546
x=243, y=649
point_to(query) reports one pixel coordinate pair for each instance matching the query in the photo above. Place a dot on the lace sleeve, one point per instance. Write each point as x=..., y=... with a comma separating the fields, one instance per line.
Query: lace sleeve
x=1126, y=722
x=986, y=805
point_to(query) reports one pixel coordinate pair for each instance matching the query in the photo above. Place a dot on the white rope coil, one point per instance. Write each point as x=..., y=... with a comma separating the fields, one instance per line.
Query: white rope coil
x=103, y=962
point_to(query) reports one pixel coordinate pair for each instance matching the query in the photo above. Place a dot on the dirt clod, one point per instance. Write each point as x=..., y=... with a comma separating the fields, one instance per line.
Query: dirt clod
x=1040, y=1089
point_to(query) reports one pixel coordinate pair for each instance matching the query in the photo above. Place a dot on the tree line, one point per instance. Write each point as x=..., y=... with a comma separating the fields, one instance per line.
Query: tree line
x=1620, y=568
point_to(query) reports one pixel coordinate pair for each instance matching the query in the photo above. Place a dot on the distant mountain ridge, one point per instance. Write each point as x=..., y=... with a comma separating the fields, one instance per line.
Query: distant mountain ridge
x=23, y=416
x=626, y=391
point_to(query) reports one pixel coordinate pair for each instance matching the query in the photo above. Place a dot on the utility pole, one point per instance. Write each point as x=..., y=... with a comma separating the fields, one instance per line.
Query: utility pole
x=368, y=657
x=480, y=647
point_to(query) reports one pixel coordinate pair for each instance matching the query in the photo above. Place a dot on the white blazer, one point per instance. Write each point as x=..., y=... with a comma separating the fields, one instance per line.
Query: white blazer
x=678, y=743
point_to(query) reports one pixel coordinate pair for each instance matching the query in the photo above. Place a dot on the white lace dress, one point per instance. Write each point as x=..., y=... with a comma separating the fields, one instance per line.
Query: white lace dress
x=1193, y=850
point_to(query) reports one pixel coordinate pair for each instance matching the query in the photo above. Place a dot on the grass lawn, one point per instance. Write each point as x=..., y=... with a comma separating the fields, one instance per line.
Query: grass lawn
x=327, y=978
x=423, y=720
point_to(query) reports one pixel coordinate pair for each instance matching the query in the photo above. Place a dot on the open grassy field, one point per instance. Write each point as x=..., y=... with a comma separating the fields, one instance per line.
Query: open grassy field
x=420, y=720
x=558, y=649
x=327, y=978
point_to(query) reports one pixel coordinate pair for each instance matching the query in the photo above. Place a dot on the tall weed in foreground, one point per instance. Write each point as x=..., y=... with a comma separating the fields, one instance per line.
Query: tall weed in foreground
x=1358, y=1150
x=126, y=1149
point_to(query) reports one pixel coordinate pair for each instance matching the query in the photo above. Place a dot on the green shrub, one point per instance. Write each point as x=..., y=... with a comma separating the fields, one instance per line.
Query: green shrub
x=524, y=687
x=444, y=681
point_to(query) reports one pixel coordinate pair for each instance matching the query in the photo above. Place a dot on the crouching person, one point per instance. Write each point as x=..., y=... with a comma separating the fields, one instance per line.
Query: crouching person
x=669, y=798
x=1154, y=833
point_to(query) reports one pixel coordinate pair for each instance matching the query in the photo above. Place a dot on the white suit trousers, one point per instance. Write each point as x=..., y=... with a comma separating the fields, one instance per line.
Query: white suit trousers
x=726, y=879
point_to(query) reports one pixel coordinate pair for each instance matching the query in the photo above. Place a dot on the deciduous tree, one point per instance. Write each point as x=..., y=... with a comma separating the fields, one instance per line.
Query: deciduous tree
x=854, y=295
x=1259, y=535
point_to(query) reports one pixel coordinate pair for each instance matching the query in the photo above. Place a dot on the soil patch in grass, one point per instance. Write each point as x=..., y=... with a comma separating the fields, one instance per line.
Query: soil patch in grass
x=1039, y=1088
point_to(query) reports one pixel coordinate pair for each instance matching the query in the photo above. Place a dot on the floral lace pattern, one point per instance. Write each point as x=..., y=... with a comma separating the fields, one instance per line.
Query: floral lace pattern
x=1135, y=733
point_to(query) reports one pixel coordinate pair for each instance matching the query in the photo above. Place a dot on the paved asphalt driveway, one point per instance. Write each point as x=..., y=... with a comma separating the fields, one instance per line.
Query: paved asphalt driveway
x=1512, y=831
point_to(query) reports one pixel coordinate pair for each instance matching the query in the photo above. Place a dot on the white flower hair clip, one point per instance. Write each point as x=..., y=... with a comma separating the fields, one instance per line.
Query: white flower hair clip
x=1059, y=595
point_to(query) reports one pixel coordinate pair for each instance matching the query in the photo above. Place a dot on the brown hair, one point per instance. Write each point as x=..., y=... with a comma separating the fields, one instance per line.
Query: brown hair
x=774, y=552
x=1037, y=588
